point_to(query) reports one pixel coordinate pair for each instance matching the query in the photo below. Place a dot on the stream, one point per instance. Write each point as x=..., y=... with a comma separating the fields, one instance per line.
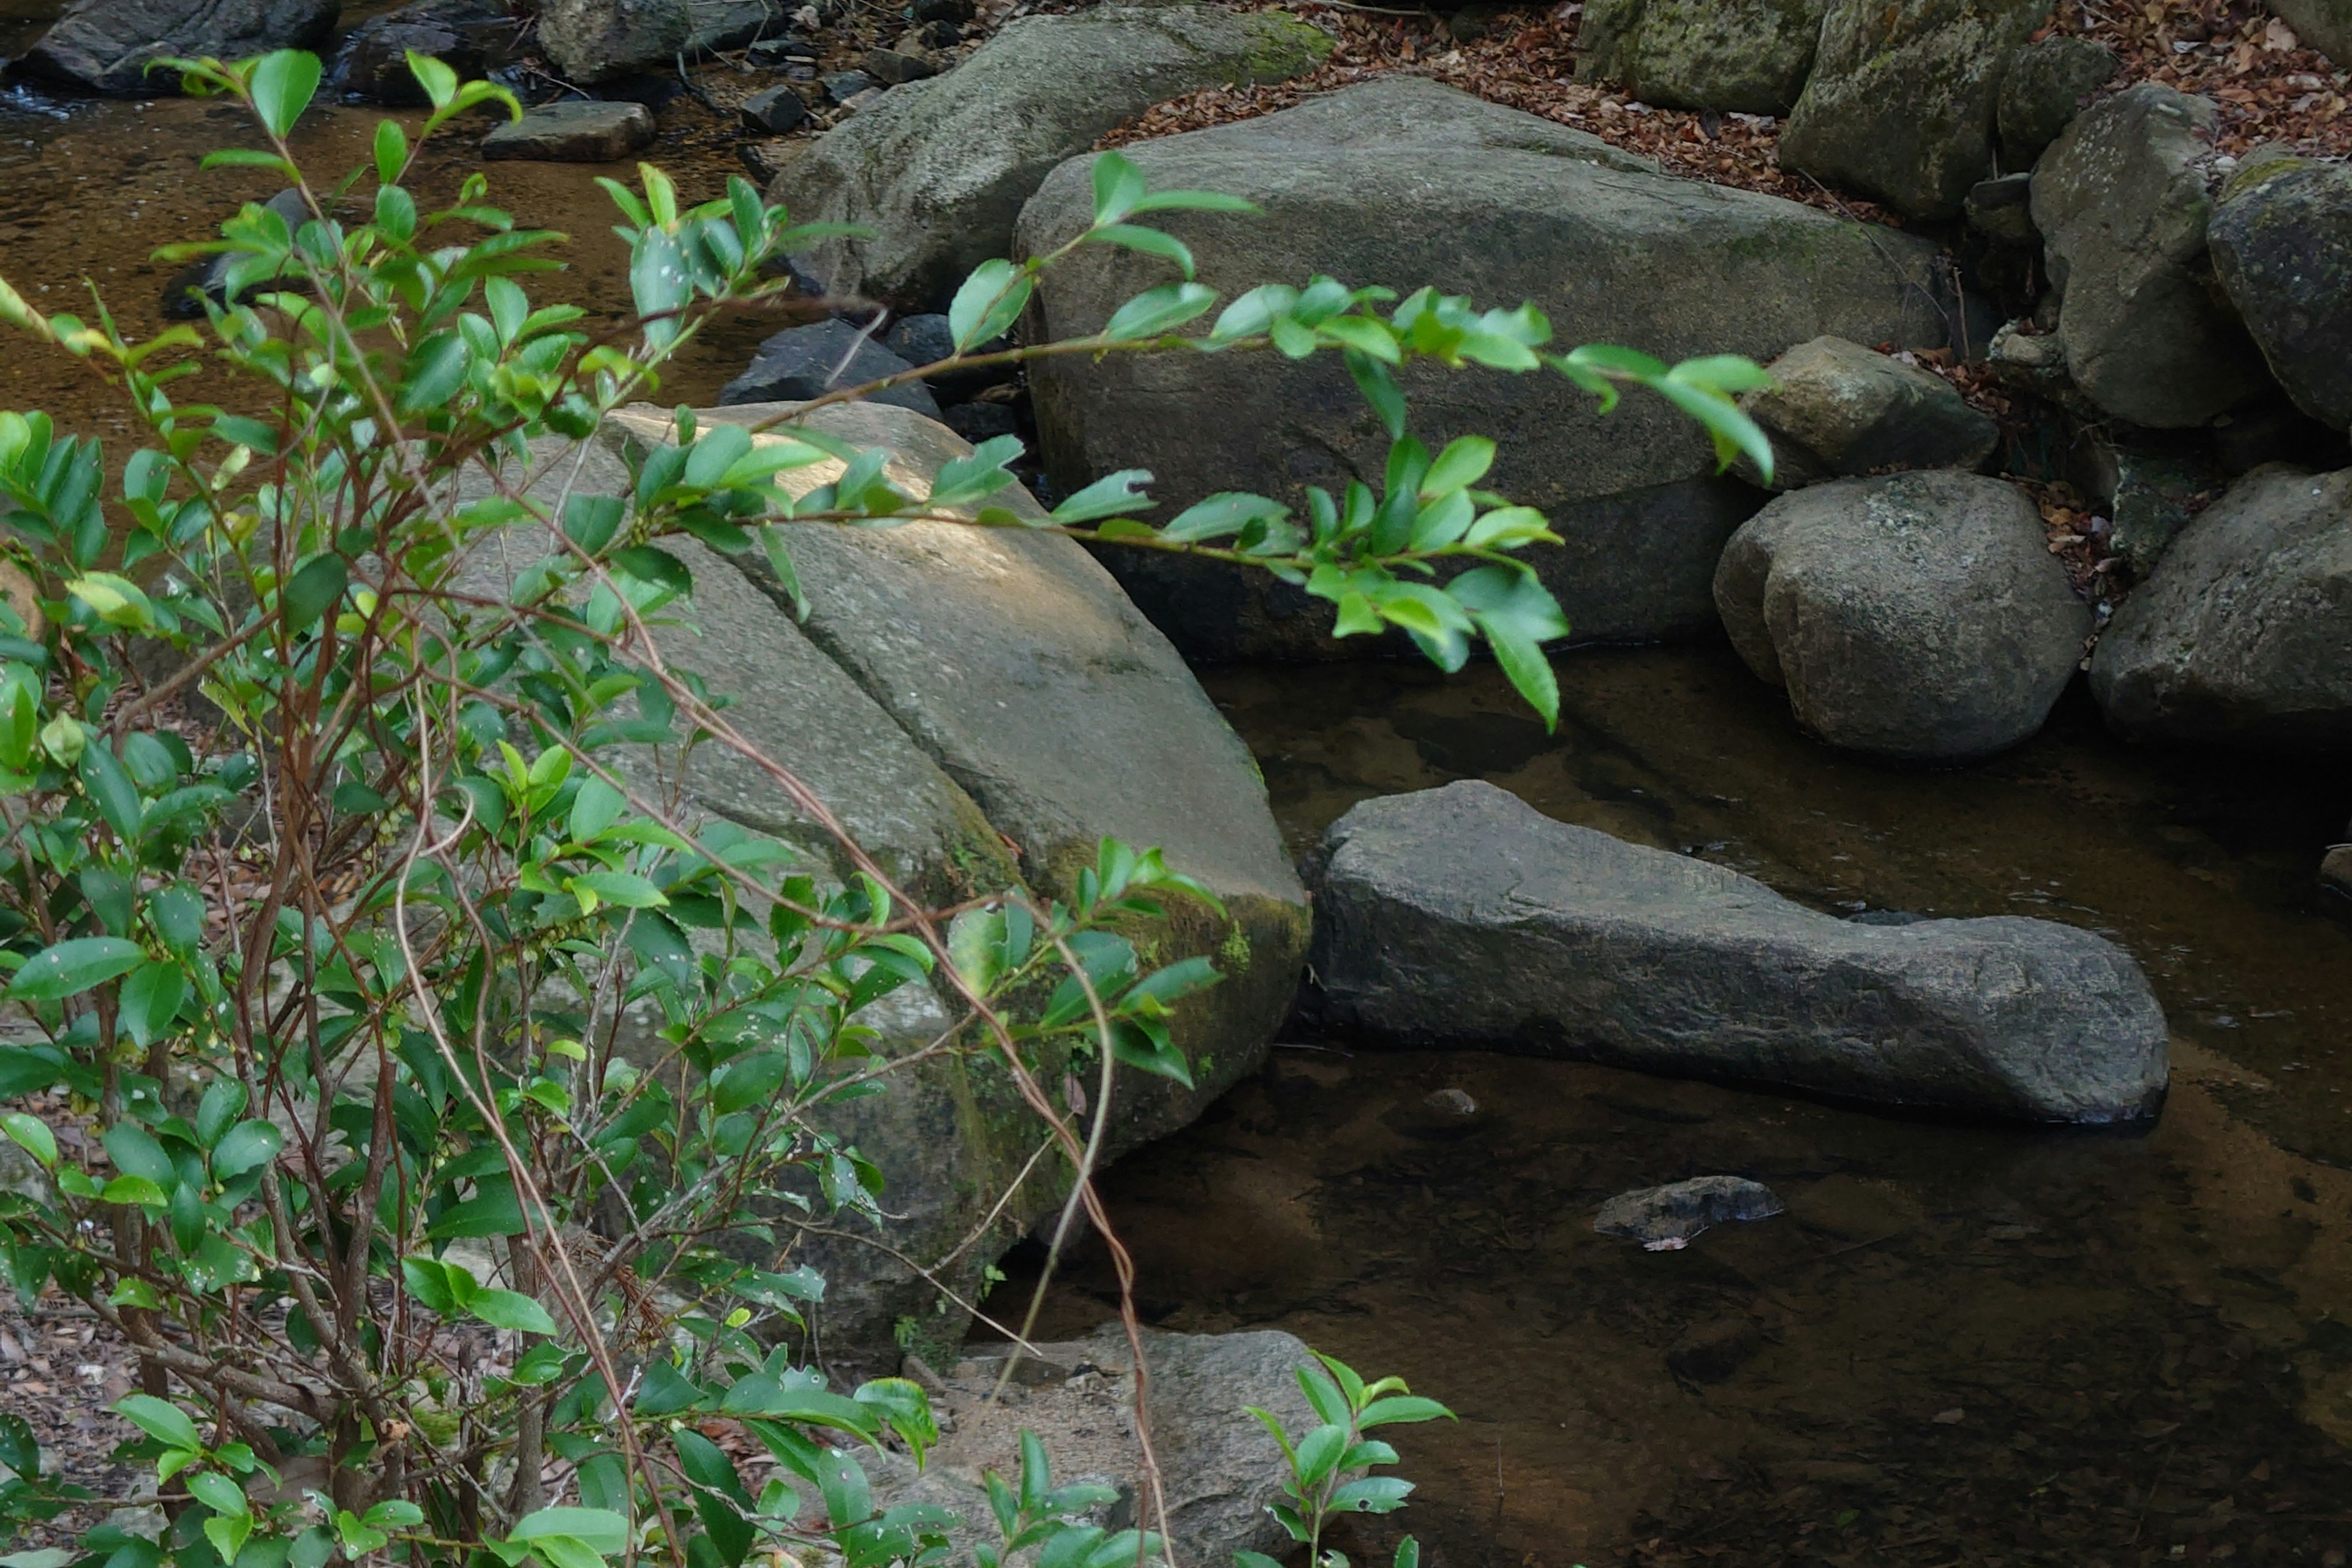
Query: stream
x=1961, y=1344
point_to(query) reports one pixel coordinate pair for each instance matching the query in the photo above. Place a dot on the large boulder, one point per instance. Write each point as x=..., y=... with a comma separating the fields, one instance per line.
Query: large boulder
x=2121, y=200
x=1061, y=719
x=2044, y=89
x=108, y=43
x=1404, y=182
x=2321, y=24
x=1918, y=616
x=1749, y=55
x=469, y=37
x=937, y=169
x=1901, y=102
x=1836, y=408
x=1462, y=917
x=2243, y=635
x=2282, y=242
x=596, y=40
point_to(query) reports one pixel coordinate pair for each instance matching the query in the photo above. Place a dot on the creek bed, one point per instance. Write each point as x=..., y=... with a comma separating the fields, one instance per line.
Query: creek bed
x=1963, y=1345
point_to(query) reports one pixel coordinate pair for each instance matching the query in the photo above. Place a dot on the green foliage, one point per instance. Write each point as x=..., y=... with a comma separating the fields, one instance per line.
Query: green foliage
x=462, y=1100
x=1331, y=1462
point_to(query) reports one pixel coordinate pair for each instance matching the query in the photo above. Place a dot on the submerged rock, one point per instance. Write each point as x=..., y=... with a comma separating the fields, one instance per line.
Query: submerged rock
x=2243, y=635
x=2120, y=199
x=938, y=169
x=1900, y=105
x=1749, y=55
x=1460, y=916
x=108, y=43
x=1837, y=409
x=577, y=130
x=1664, y=1219
x=1402, y=179
x=1918, y=616
x=2282, y=243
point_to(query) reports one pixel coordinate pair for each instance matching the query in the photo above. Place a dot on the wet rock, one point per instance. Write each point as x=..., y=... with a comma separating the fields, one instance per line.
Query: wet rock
x=2240, y=636
x=2150, y=494
x=1749, y=56
x=774, y=110
x=469, y=37
x=1712, y=1352
x=1062, y=718
x=1900, y=105
x=2282, y=242
x=1220, y=1467
x=896, y=68
x=2120, y=199
x=803, y=362
x=577, y=130
x=978, y=422
x=1837, y=409
x=842, y=86
x=1404, y=178
x=207, y=278
x=589, y=41
x=2321, y=24
x=2002, y=209
x=1654, y=961
x=781, y=53
x=928, y=339
x=1453, y=1102
x=940, y=170
x=1664, y=1219
x=717, y=27
x=2044, y=89
x=2336, y=870
x=108, y=43
x=1919, y=617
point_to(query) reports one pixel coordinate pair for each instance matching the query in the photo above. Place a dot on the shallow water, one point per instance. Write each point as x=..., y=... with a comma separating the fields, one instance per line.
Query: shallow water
x=1962, y=1343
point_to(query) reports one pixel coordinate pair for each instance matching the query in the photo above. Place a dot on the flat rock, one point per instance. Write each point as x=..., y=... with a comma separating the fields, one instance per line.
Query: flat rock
x=717, y=27
x=773, y=111
x=1917, y=616
x=1401, y=180
x=1837, y=409
x=937, y=169
x=803, y=362
x=2121, y=200
x=106, y=44
x=1901, y=102
x=1664, y=1219
x=589, y=41
x=2243, y=635
x=1749, y=55
x=577, y=130
x=1462, y=918
x=2282, y=243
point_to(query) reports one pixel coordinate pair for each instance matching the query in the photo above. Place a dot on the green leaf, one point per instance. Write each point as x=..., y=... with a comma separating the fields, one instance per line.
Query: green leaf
x=1371, y=1494
x=166, y=1422
x=74, y=966
x=246, y=1146
x=391, y=151
x=1380, y=390
x=627, y=888
x=438, y=81
x=1119, y=186
x=1464, y=463
x=1191, y=201
x=1217, y=516
x=283, y=85
x=150, y=1000
x=1402, y=1407
x=989, y=302
x=1147, y=241
x=511, y=1310
x=1156, y=310
x=1319, y=1451
x=434, y=370
x=31, y=1134
x=594, y=808
x=314, y=589
x=219, y=1493
x=1109, y=496
x=601, y=1530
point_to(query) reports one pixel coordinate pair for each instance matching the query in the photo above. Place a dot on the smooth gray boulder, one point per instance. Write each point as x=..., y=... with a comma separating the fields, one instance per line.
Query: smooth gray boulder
x=1901, y=102
x=1061, y=719
x=803, y=362
x=1749, y=55
x=589, y=41
x=1918, y=616
x=2121, y=200
x=1219, y=1465
x=576, y=131
x=1404, y=182
x=1837, y=409
x=2044, y=89
x=2282, y=243
x=938, y=169
x=108, y=43
x=2243, y=635
x=2321, y=24
x=1460, y=917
